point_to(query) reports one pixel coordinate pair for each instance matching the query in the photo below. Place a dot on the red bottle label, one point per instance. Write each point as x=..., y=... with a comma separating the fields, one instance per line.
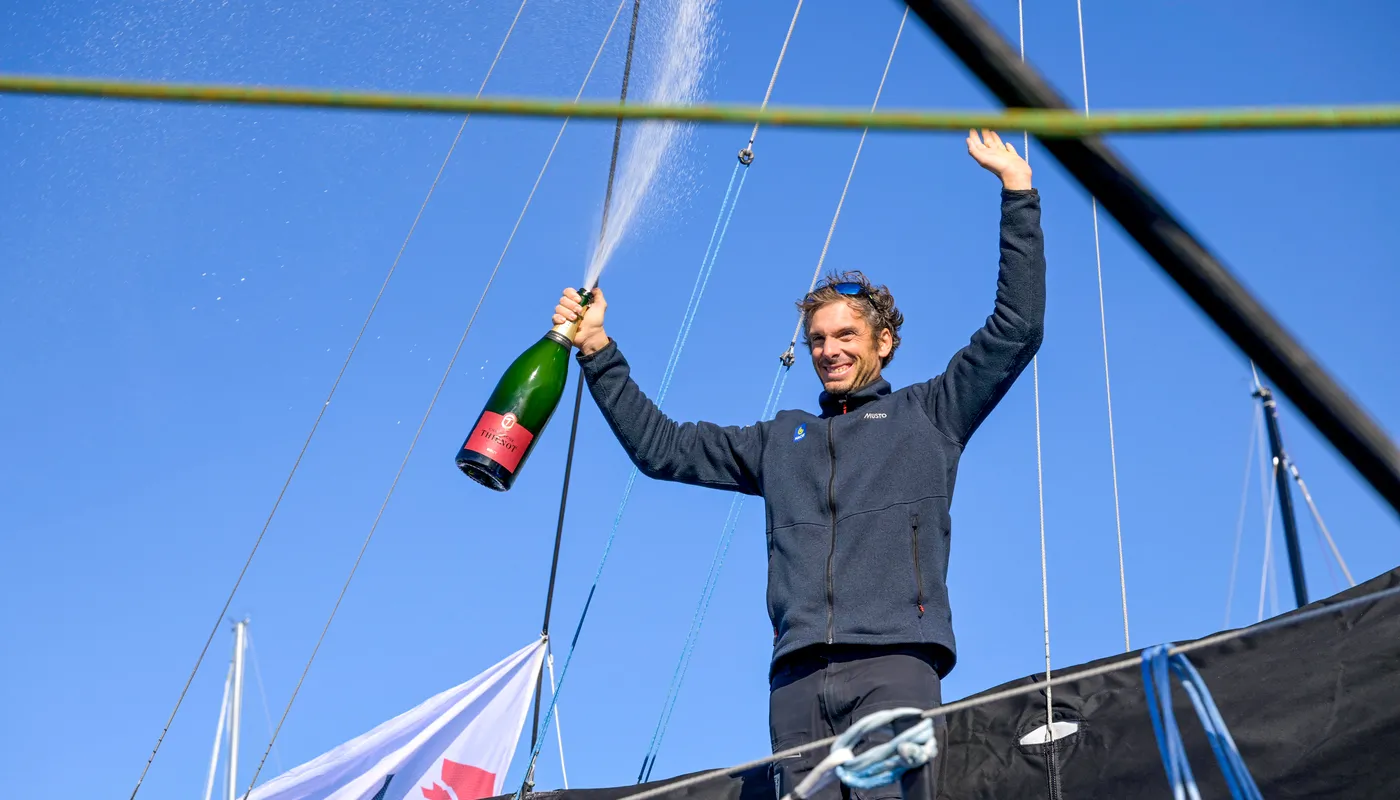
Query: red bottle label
x=500, y=438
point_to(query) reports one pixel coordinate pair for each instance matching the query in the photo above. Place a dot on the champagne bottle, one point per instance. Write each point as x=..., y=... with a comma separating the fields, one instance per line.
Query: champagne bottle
x=519, y=409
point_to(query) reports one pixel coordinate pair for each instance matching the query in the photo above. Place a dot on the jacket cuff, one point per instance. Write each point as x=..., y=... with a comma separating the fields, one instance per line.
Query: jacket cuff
x=600, y=357
x=1010, y=194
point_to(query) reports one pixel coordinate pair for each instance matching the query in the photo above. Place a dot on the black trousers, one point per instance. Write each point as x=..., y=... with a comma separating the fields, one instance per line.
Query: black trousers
x=820, y=692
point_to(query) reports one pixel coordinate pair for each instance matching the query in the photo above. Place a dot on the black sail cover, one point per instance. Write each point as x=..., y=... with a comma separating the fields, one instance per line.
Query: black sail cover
x=1314, y=708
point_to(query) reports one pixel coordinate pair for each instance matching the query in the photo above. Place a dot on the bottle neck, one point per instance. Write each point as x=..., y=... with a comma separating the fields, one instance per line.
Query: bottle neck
x=564, y=333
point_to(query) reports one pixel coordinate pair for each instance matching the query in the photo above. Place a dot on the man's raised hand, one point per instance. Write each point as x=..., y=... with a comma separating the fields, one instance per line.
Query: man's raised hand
x=591, y=337
x=999, y=158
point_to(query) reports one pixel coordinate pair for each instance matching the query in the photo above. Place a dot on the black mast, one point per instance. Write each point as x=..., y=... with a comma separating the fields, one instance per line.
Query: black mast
x=1285, y=496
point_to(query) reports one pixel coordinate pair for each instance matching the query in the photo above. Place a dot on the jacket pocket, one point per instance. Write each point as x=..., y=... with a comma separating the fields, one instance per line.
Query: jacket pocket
x=918, y=571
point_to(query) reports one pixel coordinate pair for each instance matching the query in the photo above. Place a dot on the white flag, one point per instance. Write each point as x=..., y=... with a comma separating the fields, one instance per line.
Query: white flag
x=456, y=746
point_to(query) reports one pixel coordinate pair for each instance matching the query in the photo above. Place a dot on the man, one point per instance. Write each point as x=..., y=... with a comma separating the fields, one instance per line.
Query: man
x=858, y=496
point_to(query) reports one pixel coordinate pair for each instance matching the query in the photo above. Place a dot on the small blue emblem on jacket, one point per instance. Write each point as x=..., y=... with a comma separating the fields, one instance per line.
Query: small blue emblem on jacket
x=799, y=434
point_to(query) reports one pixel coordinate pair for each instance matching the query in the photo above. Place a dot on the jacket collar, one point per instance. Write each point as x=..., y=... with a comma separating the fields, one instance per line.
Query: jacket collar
x=836, y=405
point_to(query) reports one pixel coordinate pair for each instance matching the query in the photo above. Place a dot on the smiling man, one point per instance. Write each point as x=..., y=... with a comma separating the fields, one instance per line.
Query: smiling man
x=857, y=496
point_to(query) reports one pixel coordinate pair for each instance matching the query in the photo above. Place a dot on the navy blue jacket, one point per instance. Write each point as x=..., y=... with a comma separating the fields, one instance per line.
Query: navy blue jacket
x=857, y=498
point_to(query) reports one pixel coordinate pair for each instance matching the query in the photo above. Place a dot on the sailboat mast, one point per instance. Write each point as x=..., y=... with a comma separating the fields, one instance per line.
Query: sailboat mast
x=218, y=736
x=1285, y=496
x=240, y=639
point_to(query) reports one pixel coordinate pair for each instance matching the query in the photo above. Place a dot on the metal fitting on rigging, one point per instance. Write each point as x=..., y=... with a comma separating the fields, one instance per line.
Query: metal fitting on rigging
x=788, y=357
x=746, y=156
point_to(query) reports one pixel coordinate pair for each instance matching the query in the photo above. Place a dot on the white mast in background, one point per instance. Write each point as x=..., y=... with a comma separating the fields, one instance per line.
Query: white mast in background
x=235, y=716
x=230, y=717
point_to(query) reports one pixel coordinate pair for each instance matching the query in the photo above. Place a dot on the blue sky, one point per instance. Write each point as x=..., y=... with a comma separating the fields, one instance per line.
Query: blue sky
x=180, y=286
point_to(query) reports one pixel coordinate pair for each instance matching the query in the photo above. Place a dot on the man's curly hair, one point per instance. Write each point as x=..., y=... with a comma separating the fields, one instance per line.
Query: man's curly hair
x=875, y=303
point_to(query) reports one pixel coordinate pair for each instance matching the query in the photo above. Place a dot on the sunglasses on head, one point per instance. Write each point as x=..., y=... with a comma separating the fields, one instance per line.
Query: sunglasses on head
x=848, y=288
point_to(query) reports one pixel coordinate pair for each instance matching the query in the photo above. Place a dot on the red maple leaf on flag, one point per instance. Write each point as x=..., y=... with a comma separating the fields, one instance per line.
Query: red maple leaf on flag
x=465, y=782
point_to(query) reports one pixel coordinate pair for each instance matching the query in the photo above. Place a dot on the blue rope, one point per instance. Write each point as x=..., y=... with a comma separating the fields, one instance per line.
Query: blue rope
x=702, y=608
x=885, y=763
x=702, y=279
x=880, y=764
x=1157, y=667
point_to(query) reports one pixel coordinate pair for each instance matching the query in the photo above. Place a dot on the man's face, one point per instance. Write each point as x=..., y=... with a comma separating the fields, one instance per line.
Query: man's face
x=845, y=353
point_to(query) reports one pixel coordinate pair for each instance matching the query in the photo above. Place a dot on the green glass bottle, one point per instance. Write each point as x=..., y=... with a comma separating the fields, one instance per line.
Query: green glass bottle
x=519, y=409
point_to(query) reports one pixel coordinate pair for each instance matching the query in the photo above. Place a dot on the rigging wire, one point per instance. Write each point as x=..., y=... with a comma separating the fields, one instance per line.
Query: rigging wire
x=772, y=81
x=830, y=231
x=1322, y=545
x=536, y=742
x=1299, y=617
x=578, y=388
x=1103, y=330
x=1321, y=526
x=707, y=593
x=1273, y=584
x=558, y=721
x=423, y=423
x=1259, y=387
x=1268, y=490
x=717, y=236
x=1244, y=503
x=262, y=693
x=1039, y=470
x=325, y=405
x=1267, y=569
x=770, y=408
x=702, y=276
x=1307, y=496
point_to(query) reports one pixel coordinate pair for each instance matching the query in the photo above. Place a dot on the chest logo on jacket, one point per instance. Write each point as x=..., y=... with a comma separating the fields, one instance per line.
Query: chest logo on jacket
x=799, y=434
x=875, y=415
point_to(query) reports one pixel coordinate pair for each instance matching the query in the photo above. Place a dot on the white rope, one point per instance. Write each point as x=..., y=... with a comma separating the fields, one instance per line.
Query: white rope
x=1268, y=545
x=1322, y=526
x=1044, y=570
x=774, y=78
x=1039, y=469
x=831, y=231
x=1103, y=330
x=558, y=724
x=1273, y=584
x=1244, y=504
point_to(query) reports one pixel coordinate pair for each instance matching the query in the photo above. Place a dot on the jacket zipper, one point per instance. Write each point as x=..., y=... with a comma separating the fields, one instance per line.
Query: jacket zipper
x=831, y=554
x=918, y=574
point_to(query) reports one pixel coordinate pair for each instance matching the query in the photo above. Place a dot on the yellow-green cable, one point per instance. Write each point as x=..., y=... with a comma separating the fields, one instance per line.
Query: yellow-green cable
x=1041, y=123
